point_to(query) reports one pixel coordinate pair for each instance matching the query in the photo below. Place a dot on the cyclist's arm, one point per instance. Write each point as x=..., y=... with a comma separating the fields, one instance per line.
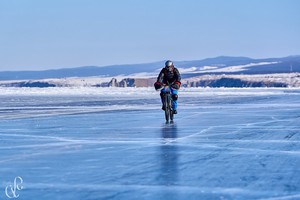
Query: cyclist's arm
x=160, y=77
x=177, y=74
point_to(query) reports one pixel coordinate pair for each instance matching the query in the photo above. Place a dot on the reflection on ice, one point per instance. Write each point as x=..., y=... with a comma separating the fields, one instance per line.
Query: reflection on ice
x=224, y=144
x=169, y=132
x=169, y=155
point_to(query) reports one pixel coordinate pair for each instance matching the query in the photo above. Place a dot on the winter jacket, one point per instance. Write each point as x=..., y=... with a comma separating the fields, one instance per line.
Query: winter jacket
x=169, y=77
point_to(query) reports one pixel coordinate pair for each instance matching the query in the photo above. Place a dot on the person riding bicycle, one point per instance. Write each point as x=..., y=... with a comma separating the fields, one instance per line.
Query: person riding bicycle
x=169, y=75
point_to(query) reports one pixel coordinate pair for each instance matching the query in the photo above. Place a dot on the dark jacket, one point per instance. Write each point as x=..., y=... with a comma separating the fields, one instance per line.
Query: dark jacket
x=169, y=77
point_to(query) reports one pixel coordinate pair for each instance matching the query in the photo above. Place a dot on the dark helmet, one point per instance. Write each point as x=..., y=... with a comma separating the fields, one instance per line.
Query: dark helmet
x=168, y=64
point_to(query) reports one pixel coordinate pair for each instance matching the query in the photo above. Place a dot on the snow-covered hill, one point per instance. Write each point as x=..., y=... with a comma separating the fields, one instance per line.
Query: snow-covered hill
x=212, y=72
x=222, y=80
x=218, y=65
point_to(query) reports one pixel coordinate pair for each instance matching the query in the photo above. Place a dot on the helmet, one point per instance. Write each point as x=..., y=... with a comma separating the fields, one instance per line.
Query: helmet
x=169, y=63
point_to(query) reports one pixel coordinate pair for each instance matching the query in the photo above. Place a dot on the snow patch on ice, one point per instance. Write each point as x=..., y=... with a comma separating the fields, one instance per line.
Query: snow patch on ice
x=136, y=92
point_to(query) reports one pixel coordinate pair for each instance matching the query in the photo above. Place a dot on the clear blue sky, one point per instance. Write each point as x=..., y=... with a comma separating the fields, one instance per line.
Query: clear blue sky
x=49, y=34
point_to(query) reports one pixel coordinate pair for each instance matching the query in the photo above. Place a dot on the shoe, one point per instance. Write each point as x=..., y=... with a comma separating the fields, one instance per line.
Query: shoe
x=174, y=112
x=163, y=108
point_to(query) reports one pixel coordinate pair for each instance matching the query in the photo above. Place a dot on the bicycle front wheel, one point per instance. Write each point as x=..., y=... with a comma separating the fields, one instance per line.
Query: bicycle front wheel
x=171, y=109
x=167, y=108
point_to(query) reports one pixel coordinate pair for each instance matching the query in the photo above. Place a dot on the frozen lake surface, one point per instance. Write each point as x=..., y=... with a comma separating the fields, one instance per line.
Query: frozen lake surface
x=104, y=143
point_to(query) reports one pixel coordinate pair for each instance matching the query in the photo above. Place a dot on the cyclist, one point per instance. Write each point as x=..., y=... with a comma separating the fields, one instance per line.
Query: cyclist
x=169, y=75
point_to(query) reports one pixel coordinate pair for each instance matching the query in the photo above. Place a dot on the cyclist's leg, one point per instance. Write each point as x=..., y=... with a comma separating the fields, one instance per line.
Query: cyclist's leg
x=174, y=98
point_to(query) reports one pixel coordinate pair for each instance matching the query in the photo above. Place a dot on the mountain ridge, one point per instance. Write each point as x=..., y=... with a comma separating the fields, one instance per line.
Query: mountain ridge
x=282, y=65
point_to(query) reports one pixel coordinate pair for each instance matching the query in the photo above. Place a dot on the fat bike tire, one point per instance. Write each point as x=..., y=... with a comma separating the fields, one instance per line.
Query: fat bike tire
x=167, y=110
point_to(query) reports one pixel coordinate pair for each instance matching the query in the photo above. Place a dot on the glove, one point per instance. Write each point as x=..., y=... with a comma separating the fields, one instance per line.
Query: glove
x=176, y=85
x=157, y=85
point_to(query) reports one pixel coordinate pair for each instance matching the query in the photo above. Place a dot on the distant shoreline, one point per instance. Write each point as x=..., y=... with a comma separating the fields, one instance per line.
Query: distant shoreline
x=239, y=81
